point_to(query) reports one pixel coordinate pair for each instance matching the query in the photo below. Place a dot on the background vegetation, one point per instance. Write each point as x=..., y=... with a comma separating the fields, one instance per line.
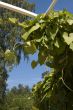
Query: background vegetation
x=9, y=36
x=19, y=98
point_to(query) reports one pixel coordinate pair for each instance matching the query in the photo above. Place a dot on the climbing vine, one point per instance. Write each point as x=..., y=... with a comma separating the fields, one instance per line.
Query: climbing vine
x=51, y=36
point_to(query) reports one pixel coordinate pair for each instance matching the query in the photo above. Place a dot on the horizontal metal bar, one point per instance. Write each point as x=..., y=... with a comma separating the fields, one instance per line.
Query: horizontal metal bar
x=17, y=9
x=51, y=6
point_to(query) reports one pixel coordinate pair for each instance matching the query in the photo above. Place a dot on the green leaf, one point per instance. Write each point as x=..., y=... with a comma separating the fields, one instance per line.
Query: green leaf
x=53, y=32
x=68, y=38
x=71, y=46
x=25, y=36
x=70, y=21
x=56, y=44
x=29, y=48
x=41, y=57
x=13, y=20
x=34, y=64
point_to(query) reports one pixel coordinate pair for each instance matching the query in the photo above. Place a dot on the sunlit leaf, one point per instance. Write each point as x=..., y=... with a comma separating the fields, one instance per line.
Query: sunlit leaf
x=13, y=20
x=68, y=38
x=70, y=21
x=71, y=46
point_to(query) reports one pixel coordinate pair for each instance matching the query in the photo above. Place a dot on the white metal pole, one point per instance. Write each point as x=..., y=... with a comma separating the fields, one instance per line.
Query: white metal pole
x=51, y=6
x=17, y=9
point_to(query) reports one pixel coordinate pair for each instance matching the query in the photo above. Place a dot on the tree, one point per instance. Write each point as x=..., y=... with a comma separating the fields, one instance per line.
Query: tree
x=9, y=37
x=19, y=99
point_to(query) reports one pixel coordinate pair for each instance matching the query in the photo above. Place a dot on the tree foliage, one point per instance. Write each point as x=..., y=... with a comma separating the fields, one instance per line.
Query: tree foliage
x=9, y=37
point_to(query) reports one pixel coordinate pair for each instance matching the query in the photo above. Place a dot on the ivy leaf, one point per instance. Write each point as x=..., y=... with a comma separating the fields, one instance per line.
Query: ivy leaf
x=34, y=64
x=68, y=38
x=25, y=36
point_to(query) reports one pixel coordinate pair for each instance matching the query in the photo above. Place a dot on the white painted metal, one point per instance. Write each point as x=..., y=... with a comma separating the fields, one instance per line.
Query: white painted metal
x=17, y=9
x=51, y=6
x=23, y=11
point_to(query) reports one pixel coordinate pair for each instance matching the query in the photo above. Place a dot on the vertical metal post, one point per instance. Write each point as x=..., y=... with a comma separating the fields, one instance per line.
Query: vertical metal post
x=51, y=6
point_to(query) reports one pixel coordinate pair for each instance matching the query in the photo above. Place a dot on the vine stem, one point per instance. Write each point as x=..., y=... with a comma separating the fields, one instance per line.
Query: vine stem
x=65, y=82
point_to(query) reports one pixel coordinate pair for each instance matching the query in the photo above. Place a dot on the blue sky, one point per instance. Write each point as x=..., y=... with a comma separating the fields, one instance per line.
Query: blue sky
x=23, y=73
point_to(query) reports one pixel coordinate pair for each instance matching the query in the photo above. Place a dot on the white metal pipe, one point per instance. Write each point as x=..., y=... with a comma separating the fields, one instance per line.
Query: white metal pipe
x=23, y=11
x=17, y=9
x=51, y=6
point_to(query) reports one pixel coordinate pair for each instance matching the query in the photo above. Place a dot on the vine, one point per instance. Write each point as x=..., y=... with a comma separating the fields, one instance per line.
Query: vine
x=52, y=37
